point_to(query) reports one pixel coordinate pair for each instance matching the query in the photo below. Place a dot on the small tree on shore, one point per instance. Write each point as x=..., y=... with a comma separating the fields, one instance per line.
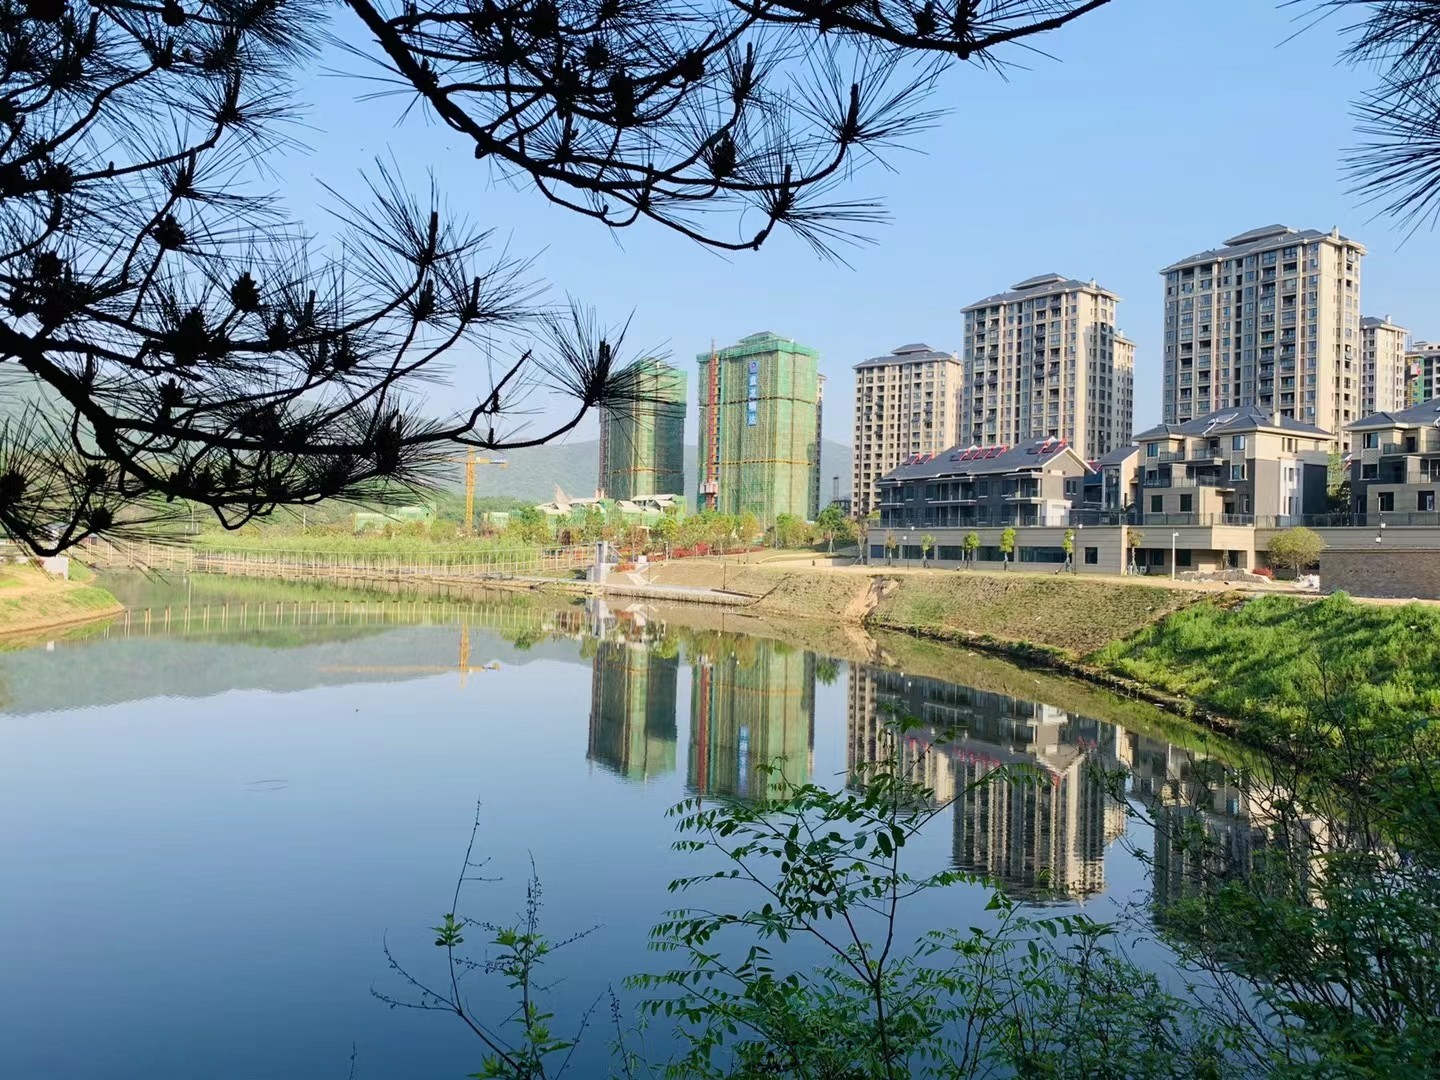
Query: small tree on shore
x=890, y=545
x=1133, y=539
x=1007, y=546
x=1295, y=549
x=927, y=544
x=1068, y=546
x=972, y=545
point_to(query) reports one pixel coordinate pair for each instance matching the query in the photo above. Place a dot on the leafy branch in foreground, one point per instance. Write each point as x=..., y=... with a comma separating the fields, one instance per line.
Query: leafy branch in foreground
x=1051, y=996
x=169, y=335
x=675, y=112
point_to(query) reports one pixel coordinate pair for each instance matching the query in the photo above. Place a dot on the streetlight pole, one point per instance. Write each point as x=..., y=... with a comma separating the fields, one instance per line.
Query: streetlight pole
x=1174, y=536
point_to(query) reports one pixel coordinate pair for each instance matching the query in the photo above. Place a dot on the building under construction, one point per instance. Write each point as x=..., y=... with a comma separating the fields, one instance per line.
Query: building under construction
x=632, y=709
x=760, y=429
x=642, y=440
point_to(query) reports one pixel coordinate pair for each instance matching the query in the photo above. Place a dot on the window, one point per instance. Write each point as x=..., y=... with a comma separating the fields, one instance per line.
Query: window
x=1182, y=557
x=1425, y=501
x=1157, y=504
x=1092, y=555
x=1372, y=440
x=1187, y=504
x=1152, y=449
x=1386, y=501
x=1237, y=472
x=1237, y=442
x=1370, y=472
x=1072, y=487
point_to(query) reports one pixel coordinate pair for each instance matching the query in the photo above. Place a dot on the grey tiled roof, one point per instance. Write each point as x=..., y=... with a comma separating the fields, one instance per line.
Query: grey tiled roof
x=1115, y=457
x=1234, y=421
x=1041, y=285
x=1262, y=239
x=983, y=460
x=1427, y=412
x=906, y=354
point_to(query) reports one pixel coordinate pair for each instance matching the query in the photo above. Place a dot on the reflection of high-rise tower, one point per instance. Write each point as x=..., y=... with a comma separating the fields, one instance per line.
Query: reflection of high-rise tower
x=1041, y=827
x=751, y=711
x=632, y=710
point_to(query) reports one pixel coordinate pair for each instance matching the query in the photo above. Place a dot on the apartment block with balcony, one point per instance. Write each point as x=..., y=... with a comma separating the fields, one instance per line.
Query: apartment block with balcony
x=968, y=487
x=1108, y=493
x=1046, y=360
x=1233, y=467
x=1270, y=319
x=1382, y=358
x=906, y=403
x=1422, y=373
x=1395, y=470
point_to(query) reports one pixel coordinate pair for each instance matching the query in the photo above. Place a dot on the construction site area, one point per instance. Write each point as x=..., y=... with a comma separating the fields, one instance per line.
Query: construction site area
x=760, y=413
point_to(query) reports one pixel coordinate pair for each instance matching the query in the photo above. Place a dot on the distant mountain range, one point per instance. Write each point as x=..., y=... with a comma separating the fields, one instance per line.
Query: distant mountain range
x=534, y=473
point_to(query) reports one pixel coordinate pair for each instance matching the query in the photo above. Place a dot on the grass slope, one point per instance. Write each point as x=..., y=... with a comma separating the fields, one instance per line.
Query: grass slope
x=32, y=600
x=1272, y=658
x=1070, y=614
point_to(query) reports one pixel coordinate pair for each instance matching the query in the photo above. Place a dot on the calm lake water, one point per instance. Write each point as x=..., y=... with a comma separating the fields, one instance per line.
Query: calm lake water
x=216, y=814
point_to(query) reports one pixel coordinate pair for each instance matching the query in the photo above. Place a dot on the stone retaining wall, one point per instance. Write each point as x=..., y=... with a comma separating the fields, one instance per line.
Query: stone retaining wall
x=1392, y=572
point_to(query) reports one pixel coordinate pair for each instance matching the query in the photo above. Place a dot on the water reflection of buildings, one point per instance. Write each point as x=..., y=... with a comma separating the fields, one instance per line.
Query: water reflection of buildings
x=632, y=708
x=1030, y=808
x=752, y=704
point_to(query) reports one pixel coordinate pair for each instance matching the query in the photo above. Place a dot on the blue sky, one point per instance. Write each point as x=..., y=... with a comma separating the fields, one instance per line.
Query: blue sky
x=1160, y=128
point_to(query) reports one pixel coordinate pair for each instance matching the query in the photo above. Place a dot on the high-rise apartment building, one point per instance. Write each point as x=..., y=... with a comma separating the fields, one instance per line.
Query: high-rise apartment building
x=1422, y=372
x=642, y=440
x=760, y=428
x=1046, y=359
x=1270, y=319
x=1382, y=358
x=633, y=709
x=906, y=403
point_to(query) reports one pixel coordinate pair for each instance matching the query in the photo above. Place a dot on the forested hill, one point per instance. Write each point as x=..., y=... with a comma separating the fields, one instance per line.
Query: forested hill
x=533, y=473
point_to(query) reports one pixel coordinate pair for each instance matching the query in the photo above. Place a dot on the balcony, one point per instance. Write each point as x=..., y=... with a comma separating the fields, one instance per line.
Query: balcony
x=1181, y=483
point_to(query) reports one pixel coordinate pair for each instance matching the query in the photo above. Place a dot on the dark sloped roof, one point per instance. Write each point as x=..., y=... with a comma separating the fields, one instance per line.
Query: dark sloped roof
x=1424, y=414
x=1040, y=285
x=984, y=460
x=1234, y=421
x=1115, y=457
x=906, y=354
x=1262, y=239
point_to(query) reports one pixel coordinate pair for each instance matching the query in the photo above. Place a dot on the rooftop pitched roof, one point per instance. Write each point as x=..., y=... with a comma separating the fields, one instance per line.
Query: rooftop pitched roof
x=1426, y=413
x=906, y=354
x=1040, y=285
x=984, y=460
x=1261, y=239
x=1115, y=457
x=1235, y=421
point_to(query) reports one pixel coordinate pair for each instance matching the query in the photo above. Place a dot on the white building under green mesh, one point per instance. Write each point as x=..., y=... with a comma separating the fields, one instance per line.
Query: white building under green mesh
x=760, y=428
x=642, y=441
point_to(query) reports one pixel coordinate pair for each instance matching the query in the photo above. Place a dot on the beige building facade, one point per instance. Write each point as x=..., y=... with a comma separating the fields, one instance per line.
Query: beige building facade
x=906, y=403
x=1382, y=355
x=1422, y=372
x=1046, y=359
x=1270, y=319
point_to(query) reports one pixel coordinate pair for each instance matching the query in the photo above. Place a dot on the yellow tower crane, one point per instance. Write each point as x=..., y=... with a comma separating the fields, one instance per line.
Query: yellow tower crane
x=471, y=460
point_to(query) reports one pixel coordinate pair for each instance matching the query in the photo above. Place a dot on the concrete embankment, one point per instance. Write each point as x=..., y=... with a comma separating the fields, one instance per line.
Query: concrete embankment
x=32, y=602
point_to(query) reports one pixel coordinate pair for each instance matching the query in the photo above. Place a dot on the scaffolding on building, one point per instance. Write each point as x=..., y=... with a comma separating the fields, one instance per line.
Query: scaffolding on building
x=760, y=428
x=642, y=440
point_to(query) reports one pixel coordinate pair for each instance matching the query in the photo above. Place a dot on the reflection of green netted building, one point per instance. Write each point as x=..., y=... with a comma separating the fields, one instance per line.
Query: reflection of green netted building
x=746, y=713
x=642, y=441
x=632, y=710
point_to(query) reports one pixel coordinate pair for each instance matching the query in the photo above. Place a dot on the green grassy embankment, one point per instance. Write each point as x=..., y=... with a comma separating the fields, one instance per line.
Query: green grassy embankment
x=31, y=601
x=1069, y=616
x=1270, y=661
